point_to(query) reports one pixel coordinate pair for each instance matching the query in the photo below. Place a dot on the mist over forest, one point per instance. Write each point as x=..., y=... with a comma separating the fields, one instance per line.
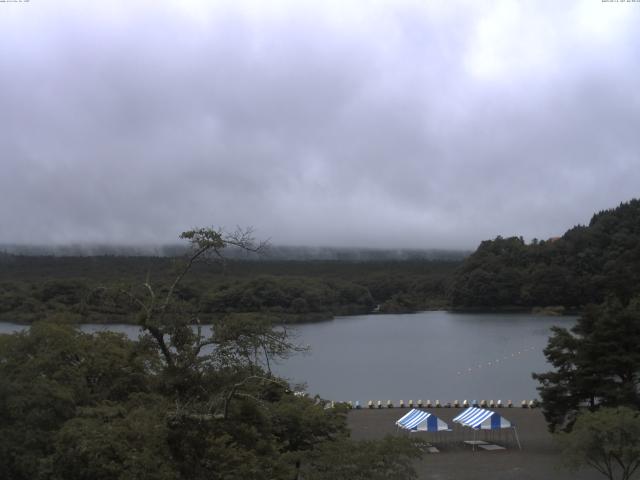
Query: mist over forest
x=272, y=252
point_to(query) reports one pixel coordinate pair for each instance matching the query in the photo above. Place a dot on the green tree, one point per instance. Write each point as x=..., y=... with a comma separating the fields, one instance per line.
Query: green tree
x=583, y=266
x=597, y=363
x=51, y=372
x=232, y=417
x=607, y=440
x=389, y=459
x=181, y=402
x=124, y=441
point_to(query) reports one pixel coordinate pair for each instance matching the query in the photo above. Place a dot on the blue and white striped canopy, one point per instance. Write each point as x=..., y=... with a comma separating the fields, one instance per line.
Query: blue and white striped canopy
x=482, y=419
x=421, y=421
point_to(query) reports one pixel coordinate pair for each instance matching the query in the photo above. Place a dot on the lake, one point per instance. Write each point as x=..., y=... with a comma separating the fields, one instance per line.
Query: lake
x=429, y=355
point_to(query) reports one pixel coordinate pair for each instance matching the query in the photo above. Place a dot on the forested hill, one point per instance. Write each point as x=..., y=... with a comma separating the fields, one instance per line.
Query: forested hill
x=90, y=289
x=581, y=267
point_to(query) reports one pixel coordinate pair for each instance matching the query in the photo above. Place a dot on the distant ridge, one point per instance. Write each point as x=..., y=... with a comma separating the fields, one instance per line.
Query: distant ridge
x=274, y=252
x=362, y=254
x=93, y=250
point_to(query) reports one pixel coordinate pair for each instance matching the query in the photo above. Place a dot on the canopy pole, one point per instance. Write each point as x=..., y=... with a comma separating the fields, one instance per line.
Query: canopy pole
x=515, y=431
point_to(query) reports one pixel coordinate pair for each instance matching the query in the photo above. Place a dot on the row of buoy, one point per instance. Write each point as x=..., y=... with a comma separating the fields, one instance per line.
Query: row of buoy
x=495, y=362
x=437, y=404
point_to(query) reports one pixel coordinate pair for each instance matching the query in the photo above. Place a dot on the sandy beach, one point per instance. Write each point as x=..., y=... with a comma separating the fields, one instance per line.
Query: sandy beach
x=538, y=458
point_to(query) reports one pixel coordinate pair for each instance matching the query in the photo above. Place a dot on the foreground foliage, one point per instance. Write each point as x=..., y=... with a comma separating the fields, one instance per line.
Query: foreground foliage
x=388, y=459
x=75, y=405
x=178, y=403
x=607, y=440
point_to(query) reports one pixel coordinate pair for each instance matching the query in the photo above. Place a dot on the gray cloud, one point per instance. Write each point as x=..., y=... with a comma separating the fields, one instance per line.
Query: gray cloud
x=320, y=123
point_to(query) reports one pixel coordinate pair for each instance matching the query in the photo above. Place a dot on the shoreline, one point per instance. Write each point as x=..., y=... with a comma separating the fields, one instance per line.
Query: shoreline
x=289, y=319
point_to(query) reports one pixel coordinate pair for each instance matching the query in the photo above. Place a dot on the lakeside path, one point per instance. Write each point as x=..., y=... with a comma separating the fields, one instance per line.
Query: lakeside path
x=538, y=459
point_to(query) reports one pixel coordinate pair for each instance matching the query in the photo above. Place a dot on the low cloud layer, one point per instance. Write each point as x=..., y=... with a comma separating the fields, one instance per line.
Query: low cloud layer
x=319, y=123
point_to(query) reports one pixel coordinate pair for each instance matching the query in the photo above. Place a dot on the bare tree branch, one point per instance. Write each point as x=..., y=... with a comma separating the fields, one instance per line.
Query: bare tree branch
x=236, y=386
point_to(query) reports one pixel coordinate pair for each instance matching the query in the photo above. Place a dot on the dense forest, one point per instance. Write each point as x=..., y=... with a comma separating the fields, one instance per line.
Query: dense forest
x=582, y=267
x=93, y=289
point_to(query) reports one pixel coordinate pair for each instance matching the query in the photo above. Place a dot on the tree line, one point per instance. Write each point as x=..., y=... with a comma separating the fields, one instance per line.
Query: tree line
x=582, y=267
x=82, y=288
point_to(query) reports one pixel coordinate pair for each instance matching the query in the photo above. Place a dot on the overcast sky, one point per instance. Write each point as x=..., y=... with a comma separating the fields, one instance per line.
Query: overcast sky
x=369, y=123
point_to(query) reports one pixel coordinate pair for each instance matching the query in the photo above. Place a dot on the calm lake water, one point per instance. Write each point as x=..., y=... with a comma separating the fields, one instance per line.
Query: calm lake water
x=428, y=355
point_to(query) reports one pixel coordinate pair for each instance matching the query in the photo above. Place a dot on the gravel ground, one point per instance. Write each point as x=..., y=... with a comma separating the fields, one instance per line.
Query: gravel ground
x=538, y=458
